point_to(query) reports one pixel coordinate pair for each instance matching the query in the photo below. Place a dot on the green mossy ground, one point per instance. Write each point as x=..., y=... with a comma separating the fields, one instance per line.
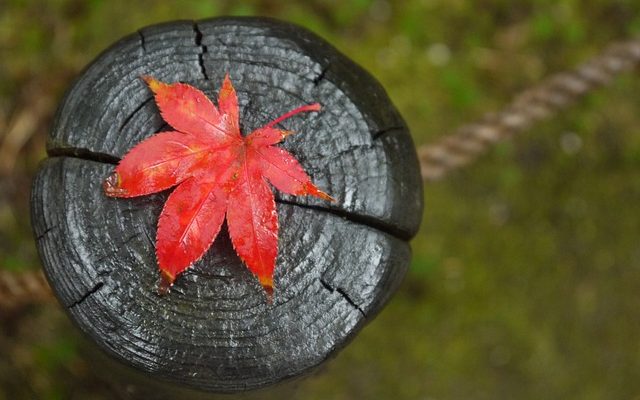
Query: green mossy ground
x=525, y=281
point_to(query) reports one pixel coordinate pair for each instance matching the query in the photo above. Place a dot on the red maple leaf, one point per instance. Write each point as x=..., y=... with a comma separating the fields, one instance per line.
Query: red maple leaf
x=218, y=172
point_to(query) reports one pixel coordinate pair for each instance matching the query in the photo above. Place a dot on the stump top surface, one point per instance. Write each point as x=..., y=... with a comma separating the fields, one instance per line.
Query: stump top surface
x=337, y=263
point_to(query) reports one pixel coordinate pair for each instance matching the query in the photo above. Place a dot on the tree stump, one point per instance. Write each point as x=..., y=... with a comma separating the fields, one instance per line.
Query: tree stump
x=338, y=263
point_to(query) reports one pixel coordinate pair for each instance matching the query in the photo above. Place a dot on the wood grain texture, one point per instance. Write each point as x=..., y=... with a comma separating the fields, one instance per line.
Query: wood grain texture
x=337, y=263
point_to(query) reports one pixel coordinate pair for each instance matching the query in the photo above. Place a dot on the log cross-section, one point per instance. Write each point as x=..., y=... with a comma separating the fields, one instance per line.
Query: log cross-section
x=338, y=263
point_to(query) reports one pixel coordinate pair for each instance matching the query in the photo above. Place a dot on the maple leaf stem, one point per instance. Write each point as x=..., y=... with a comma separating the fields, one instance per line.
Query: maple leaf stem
x=305, y=108
x=267, y=285
x=166, y=281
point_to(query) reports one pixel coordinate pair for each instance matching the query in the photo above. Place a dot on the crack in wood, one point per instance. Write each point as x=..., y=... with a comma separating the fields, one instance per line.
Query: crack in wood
x=359, y=219
x=149, y=238
x=143, y=41
x=321, y=75
x=378, y=134
x=83, y=154
x=203, y=48
x=85, y=296
x=133, y=113
x=47, y=230
x=344, y=295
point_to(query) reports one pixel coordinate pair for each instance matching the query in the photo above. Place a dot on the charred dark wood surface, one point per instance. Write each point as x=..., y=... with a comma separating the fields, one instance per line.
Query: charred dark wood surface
x=337, y=263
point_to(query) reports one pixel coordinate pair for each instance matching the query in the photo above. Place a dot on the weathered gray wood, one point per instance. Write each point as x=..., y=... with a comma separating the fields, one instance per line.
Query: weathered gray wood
x=337, y=263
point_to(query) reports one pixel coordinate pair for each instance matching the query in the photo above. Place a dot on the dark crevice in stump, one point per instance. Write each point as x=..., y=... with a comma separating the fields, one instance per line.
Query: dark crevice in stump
x=83, y=154
x=202, y=52
x=321, y=75
x=85, y=296
x=338, y=263
x=355, y=218
x=143, y=44
x=343, y=294
x=133, y=113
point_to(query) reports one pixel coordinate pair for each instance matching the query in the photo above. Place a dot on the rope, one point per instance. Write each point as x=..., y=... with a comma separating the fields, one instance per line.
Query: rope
x=462, y=147
x=18, y=289
x=540, y=102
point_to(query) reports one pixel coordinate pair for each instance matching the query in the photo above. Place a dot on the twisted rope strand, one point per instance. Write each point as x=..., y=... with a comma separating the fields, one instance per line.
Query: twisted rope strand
x=453, y=151
x=540, y=102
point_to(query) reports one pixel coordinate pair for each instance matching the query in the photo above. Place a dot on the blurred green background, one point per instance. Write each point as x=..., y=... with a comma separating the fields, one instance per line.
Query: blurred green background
x=525, y=281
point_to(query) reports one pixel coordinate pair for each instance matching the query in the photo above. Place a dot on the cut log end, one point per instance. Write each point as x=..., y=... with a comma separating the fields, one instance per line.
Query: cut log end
x=338, y=262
